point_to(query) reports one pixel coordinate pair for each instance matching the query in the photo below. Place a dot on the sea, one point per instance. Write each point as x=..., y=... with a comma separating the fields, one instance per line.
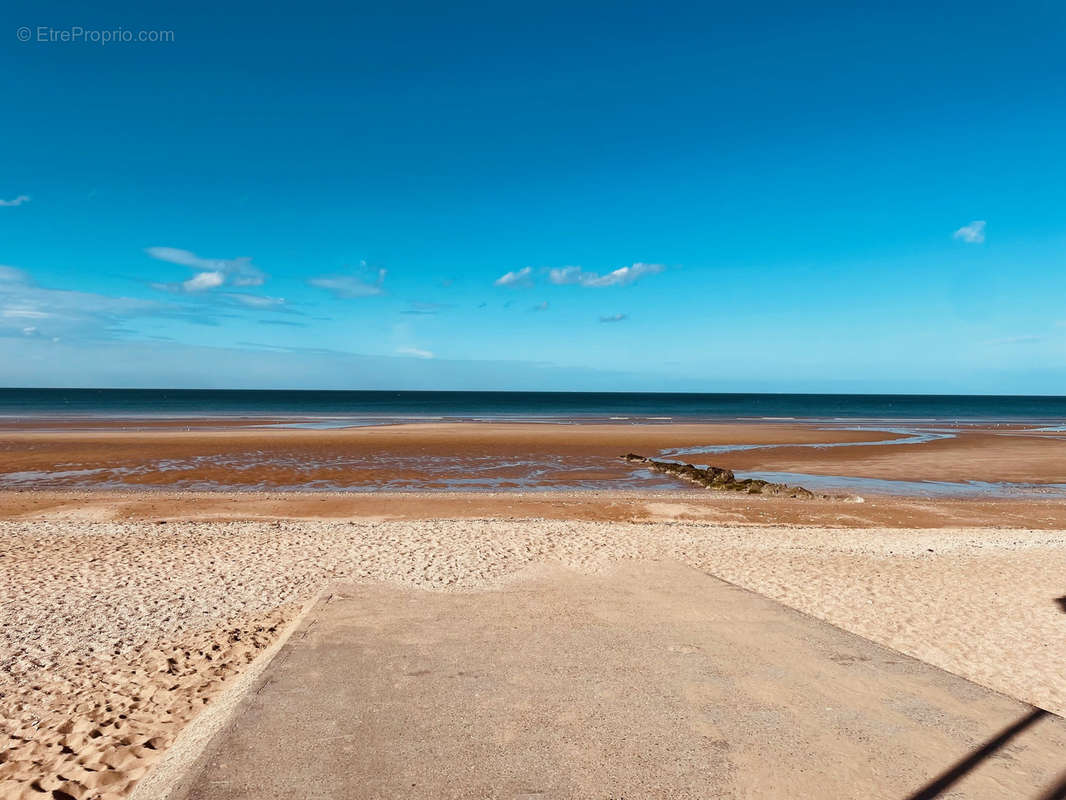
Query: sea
x=377, y=406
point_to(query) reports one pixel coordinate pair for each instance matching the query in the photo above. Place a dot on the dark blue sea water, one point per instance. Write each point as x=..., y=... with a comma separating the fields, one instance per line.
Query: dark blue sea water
x=379, y=405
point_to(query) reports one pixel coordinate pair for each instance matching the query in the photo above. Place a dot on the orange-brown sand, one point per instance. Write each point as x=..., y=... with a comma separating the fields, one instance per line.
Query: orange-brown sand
x=435, y=455
x=357, y=457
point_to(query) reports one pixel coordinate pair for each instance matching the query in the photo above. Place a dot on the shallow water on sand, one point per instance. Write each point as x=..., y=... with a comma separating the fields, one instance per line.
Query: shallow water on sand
x=909, y=436
x=944, y=489
x=883, y=486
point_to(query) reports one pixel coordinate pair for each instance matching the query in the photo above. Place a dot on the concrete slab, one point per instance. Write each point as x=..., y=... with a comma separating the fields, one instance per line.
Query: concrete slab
x=651, y=680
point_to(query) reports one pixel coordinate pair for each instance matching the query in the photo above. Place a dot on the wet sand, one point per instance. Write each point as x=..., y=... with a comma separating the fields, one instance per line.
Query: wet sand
x=415, y=456
x=556, y=471
x=503, y=455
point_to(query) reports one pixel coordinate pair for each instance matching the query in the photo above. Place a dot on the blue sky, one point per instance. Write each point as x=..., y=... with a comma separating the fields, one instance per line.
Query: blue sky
x=686, y=197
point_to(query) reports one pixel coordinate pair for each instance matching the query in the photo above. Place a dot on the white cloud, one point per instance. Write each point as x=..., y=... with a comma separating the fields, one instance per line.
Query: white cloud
x=522, y=278
x=234, y=271
x=350, y=286
x=18, y=201
x=417, y=352
x=203, y=281
x=23, y=313
x=974, y=233
x=614, y=318
x=563, y=276
x=620, y=277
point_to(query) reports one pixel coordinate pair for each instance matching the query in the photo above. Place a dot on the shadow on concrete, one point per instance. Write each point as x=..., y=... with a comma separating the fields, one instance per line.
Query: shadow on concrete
x=943, y=782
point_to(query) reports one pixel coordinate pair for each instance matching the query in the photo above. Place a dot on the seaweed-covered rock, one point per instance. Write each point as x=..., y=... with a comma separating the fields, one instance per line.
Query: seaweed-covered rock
x=718, y=478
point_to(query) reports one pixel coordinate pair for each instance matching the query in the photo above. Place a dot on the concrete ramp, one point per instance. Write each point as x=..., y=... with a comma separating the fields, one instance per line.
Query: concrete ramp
x=651, y=680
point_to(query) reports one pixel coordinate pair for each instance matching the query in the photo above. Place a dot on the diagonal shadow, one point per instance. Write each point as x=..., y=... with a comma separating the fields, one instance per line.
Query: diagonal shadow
x=1056, y=792
x=945, y=780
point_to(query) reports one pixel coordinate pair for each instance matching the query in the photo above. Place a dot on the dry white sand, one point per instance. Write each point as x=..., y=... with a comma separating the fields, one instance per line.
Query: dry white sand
x=113, y=635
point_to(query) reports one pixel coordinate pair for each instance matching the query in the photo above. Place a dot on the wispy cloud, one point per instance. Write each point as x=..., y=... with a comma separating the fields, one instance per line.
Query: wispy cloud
x=974, y=233
x=543, y=306
x=285, y=322
x=280, y=348
x=17, y=201
x=563, y=276
x=520, y=278
x=350, y=286
x=12, y=275
x=1023, y=339
x=77, y=315
x=424, y=308
x=255, y=300
x=417, y=352
x=27, y=309
x=576, y=276
x=210, y=272
x=36, y=361
x=614, y=318
x=23, y=313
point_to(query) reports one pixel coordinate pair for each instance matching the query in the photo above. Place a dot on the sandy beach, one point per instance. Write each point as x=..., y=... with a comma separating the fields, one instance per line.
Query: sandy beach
x=139, y=599
x=124, y=631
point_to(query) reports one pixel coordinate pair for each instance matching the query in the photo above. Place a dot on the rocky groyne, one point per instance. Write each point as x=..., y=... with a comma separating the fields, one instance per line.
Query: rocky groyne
x=720, y=478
